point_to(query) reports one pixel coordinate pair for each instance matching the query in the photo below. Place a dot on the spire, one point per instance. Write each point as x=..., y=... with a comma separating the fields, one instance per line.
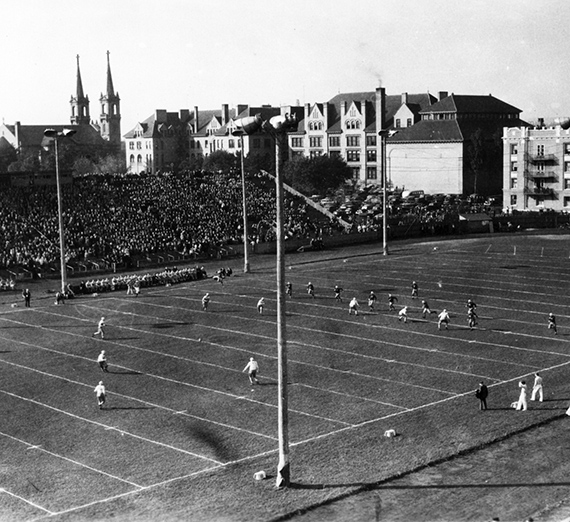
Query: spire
x=110, y=89
x=80, y=95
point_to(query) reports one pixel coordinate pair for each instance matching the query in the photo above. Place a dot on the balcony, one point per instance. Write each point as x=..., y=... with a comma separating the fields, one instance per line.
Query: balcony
x=545, y=158
x=544, y=192
x=540, y=174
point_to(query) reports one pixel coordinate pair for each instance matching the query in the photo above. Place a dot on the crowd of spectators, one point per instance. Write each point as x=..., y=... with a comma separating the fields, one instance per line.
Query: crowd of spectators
x=113, y=219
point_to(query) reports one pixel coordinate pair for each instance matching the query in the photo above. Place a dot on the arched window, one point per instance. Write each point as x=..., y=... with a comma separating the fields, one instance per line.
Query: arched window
x=132, y=158
x=139, y=159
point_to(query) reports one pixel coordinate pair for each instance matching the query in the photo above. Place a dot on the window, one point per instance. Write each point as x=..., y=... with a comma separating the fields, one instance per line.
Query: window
x=567, y=184
x=566, y=201
x=371, y=155
x=353, y=124
x=355, y=172
x=513, y=200
x=131, y=145
x=132, y=158
x=352, y=155
x=514, y=148
x=397, y=123
x=334, y=154
x=297, y=153
x=353, y=141
x=409, y=122
x=371, y=173
x=231, y=144
x=255, y=143
x=315, y=153
x=514, y=166
x=540, y=150
x=315, y=125
x=371, y=141
x=296, y=142
x=567, y=148
x=334, y=141
x=139, y=145
x=567, y=166
x=315, y=141
x=540, y=167
x=514, y=183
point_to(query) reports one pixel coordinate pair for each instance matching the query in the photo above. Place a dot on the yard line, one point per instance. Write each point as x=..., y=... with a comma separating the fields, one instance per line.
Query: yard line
x=160, y=377
x=77, y=463
x=158, y=406
x=33, y=504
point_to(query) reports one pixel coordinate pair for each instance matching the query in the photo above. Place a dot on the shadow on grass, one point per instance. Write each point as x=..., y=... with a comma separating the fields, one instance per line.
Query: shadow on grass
x=128, y=372
x=168, y=325
x=372, y=486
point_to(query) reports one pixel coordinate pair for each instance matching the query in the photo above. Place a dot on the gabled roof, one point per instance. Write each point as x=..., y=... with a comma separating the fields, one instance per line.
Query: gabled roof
x=460, y=103
x=150, y=127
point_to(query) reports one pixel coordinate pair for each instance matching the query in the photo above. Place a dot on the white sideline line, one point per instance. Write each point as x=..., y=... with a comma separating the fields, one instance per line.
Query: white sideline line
x=33, y=504
x=75, y=462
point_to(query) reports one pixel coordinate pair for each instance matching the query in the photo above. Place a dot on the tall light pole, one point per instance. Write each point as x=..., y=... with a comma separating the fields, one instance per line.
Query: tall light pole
x=248, y=125
x=55, y=136
x=384, y=134
x=277, y=127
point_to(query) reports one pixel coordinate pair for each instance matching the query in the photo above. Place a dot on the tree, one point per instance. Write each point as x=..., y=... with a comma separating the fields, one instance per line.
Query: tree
x=26, y=162
x=257, y=161
x=318, y=175
x=220, y=161
x=112, y=164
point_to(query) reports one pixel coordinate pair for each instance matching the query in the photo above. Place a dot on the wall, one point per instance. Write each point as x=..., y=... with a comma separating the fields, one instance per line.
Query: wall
x=434, y=168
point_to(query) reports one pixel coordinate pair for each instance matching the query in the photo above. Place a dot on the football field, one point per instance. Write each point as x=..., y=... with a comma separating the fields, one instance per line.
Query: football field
x=182, y=431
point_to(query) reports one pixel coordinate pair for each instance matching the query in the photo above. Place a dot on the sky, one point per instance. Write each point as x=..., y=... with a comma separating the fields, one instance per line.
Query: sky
x=177, y=54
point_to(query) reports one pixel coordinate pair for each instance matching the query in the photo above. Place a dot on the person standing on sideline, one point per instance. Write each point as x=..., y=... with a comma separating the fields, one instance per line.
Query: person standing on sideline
x=252, y=368
x=415, y=290
x=205, y=302
x=260, y=305
x=27, y=295
x=391, y=300
x=425, y=308
x=372, y=301
x=289, y=289
x=552, y=323
x=102, y=360
x=337, y=293
x=137, y=288
x=100, y=327
x=482, y=393
x=521, y=404
x=353, y=306
x=443, y=318
x=537, y=388
x=403, y=314
x=100, y=392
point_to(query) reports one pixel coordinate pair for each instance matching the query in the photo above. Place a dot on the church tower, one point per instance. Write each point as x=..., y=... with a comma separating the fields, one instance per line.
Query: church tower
x=79, y=103
x=110, y=120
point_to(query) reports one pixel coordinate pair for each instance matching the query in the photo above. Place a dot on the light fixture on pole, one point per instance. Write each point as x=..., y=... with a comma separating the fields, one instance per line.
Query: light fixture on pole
x=278, y=126
x=247, y=125
x=55, y=136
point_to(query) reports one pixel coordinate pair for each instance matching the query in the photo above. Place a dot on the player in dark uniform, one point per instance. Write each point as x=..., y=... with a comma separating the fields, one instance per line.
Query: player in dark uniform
x=552, y=323
x=415, y=290
x=337, y=293
x=391, y=300
x=372, y=300
x=289, y=289
x=311, y=289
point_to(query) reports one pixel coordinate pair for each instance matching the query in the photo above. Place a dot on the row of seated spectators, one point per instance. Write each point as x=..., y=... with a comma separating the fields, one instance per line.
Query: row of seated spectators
x=166, y=277
x=7, y=284
x=116, y=218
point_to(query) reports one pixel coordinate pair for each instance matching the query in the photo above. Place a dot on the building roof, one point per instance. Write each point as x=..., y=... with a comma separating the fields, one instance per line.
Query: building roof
x=461, y=103
x=33, y=135
x=429, y=130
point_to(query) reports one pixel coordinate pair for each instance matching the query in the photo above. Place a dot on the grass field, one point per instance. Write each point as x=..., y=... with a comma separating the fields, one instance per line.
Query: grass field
x=183, y=432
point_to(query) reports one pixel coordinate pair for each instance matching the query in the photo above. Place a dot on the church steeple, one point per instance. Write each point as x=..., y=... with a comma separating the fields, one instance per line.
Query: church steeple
x=79, y=102
x=110, y=111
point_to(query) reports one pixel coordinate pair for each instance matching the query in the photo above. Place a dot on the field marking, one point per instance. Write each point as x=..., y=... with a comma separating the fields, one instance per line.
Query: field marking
x=29, y=502
x=100, y=424
x=158, y=406
x=160, y=377
x=75, y=462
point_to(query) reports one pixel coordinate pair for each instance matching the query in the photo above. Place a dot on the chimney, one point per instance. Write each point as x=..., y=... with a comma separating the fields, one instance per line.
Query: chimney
x=307, y=111
x=225, y=113
x=540, y=123
x=344, y=108
x=160, y=116
x=184, y=115
x=17, y=133
x=380, y=108
x=196, y=119
x=441, y=95
x=326, y=114
x=404, y=98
